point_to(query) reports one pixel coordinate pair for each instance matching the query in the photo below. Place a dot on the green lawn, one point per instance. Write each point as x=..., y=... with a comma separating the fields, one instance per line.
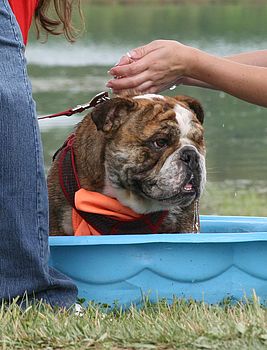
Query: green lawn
x=183, y=325
x=234, y=198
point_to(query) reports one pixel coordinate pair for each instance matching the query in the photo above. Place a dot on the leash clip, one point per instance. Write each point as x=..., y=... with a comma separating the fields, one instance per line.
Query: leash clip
x=99, y=98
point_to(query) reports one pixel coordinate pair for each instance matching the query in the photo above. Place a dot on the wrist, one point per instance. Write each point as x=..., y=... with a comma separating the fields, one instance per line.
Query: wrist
x=181, y=59
x=193, y=62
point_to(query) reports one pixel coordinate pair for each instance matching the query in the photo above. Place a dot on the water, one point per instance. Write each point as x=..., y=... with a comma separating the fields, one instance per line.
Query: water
x=64, y=75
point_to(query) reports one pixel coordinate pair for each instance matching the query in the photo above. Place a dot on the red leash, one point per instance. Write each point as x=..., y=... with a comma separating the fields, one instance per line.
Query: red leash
x=101, y=97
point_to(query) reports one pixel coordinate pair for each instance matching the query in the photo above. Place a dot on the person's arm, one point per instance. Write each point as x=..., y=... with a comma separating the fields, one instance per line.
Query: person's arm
x=247, y=82
x=160, y=64
x=254, y=58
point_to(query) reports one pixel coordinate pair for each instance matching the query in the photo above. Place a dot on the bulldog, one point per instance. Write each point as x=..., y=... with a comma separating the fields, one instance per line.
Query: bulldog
x=132, y=165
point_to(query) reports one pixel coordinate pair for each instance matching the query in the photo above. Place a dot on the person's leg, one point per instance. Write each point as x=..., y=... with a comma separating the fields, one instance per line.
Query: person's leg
x=23, y=194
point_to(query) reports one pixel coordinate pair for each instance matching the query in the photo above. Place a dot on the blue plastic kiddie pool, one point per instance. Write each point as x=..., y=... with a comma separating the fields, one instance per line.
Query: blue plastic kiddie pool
x=227, y=259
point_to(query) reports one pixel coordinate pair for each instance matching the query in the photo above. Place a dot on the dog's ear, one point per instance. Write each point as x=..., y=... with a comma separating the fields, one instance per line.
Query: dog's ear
x=109, y=115
x=194, y=105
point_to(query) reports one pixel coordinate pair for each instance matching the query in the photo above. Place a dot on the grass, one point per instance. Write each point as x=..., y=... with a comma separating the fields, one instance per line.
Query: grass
x=234, y=198
x=182, y=325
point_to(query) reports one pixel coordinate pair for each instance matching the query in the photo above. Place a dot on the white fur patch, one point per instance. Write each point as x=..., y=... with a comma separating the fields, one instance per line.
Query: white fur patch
x=184, y=118
x=137, y=203
x=202, y=164
x=149, y=96
x=108, y=190
x=129, y=199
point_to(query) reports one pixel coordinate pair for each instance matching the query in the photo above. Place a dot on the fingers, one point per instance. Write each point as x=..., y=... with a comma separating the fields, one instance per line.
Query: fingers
x=148, y=87
x=143, y=69
x=126, y=59
x=133, y=68
x=130, y=61
x=142, y=51
x=129, y=82
x=145, y=88
x=139, y=52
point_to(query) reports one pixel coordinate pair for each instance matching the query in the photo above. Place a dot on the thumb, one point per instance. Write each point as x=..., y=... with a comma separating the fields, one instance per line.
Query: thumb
x=139, y=52
x=123, y=60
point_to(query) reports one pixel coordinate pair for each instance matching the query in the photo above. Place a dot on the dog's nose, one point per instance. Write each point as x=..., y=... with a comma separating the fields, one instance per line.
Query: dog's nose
x=190, y=157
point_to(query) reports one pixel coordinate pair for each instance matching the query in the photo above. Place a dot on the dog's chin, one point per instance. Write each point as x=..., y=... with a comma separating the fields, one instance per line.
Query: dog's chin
x=144, y=198
x=182, y=198
x=146, y=202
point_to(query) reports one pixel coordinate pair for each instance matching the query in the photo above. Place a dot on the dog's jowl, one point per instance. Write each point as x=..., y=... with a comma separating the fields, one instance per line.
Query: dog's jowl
x=133, y=165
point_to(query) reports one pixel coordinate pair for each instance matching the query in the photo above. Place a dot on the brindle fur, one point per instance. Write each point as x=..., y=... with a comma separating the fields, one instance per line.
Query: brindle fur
x=104, y=133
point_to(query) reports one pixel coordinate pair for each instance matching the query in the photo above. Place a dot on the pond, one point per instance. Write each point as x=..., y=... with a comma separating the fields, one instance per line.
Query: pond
x=64, y=75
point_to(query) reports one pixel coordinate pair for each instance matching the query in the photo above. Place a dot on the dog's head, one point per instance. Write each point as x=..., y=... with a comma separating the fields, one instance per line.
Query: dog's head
x=155, y=152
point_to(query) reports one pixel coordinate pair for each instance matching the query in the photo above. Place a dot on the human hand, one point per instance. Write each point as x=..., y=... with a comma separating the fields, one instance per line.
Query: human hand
x=151, y=68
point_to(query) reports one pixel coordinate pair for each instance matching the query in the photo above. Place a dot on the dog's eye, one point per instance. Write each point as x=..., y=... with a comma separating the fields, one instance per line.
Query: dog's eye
x=160, y=143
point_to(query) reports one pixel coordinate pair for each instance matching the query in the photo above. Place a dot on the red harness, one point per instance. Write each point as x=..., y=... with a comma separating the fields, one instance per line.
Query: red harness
x=69, y=182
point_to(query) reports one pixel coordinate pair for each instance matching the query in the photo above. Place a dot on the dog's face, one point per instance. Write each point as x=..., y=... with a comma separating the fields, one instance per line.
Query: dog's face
x=155, y=152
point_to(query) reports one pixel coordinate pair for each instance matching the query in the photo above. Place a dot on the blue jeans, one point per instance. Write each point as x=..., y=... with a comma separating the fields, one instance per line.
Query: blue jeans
x=24, y=246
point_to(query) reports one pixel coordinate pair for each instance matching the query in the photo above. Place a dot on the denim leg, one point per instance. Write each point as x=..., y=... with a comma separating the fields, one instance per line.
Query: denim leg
x=24, y=246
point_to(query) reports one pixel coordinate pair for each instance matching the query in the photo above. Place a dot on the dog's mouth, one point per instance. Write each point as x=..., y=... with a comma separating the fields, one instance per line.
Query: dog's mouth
x=188, y=191
x=190, y=186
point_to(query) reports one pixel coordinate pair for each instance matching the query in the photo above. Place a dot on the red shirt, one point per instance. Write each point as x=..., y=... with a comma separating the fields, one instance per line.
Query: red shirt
x=24, y=11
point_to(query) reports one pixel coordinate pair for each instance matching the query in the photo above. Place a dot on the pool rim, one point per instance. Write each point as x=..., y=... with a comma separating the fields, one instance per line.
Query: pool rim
x=206, y=237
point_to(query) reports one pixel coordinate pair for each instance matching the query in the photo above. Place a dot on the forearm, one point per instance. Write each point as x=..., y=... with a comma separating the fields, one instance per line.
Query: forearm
x=254, y=58
x=244, y=81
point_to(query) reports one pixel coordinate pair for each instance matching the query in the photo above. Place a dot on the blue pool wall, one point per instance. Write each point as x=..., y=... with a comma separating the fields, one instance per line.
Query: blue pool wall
x=228, y=259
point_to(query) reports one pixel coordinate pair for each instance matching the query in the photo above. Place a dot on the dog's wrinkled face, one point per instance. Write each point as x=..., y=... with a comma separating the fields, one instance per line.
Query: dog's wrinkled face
x=155, y=153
